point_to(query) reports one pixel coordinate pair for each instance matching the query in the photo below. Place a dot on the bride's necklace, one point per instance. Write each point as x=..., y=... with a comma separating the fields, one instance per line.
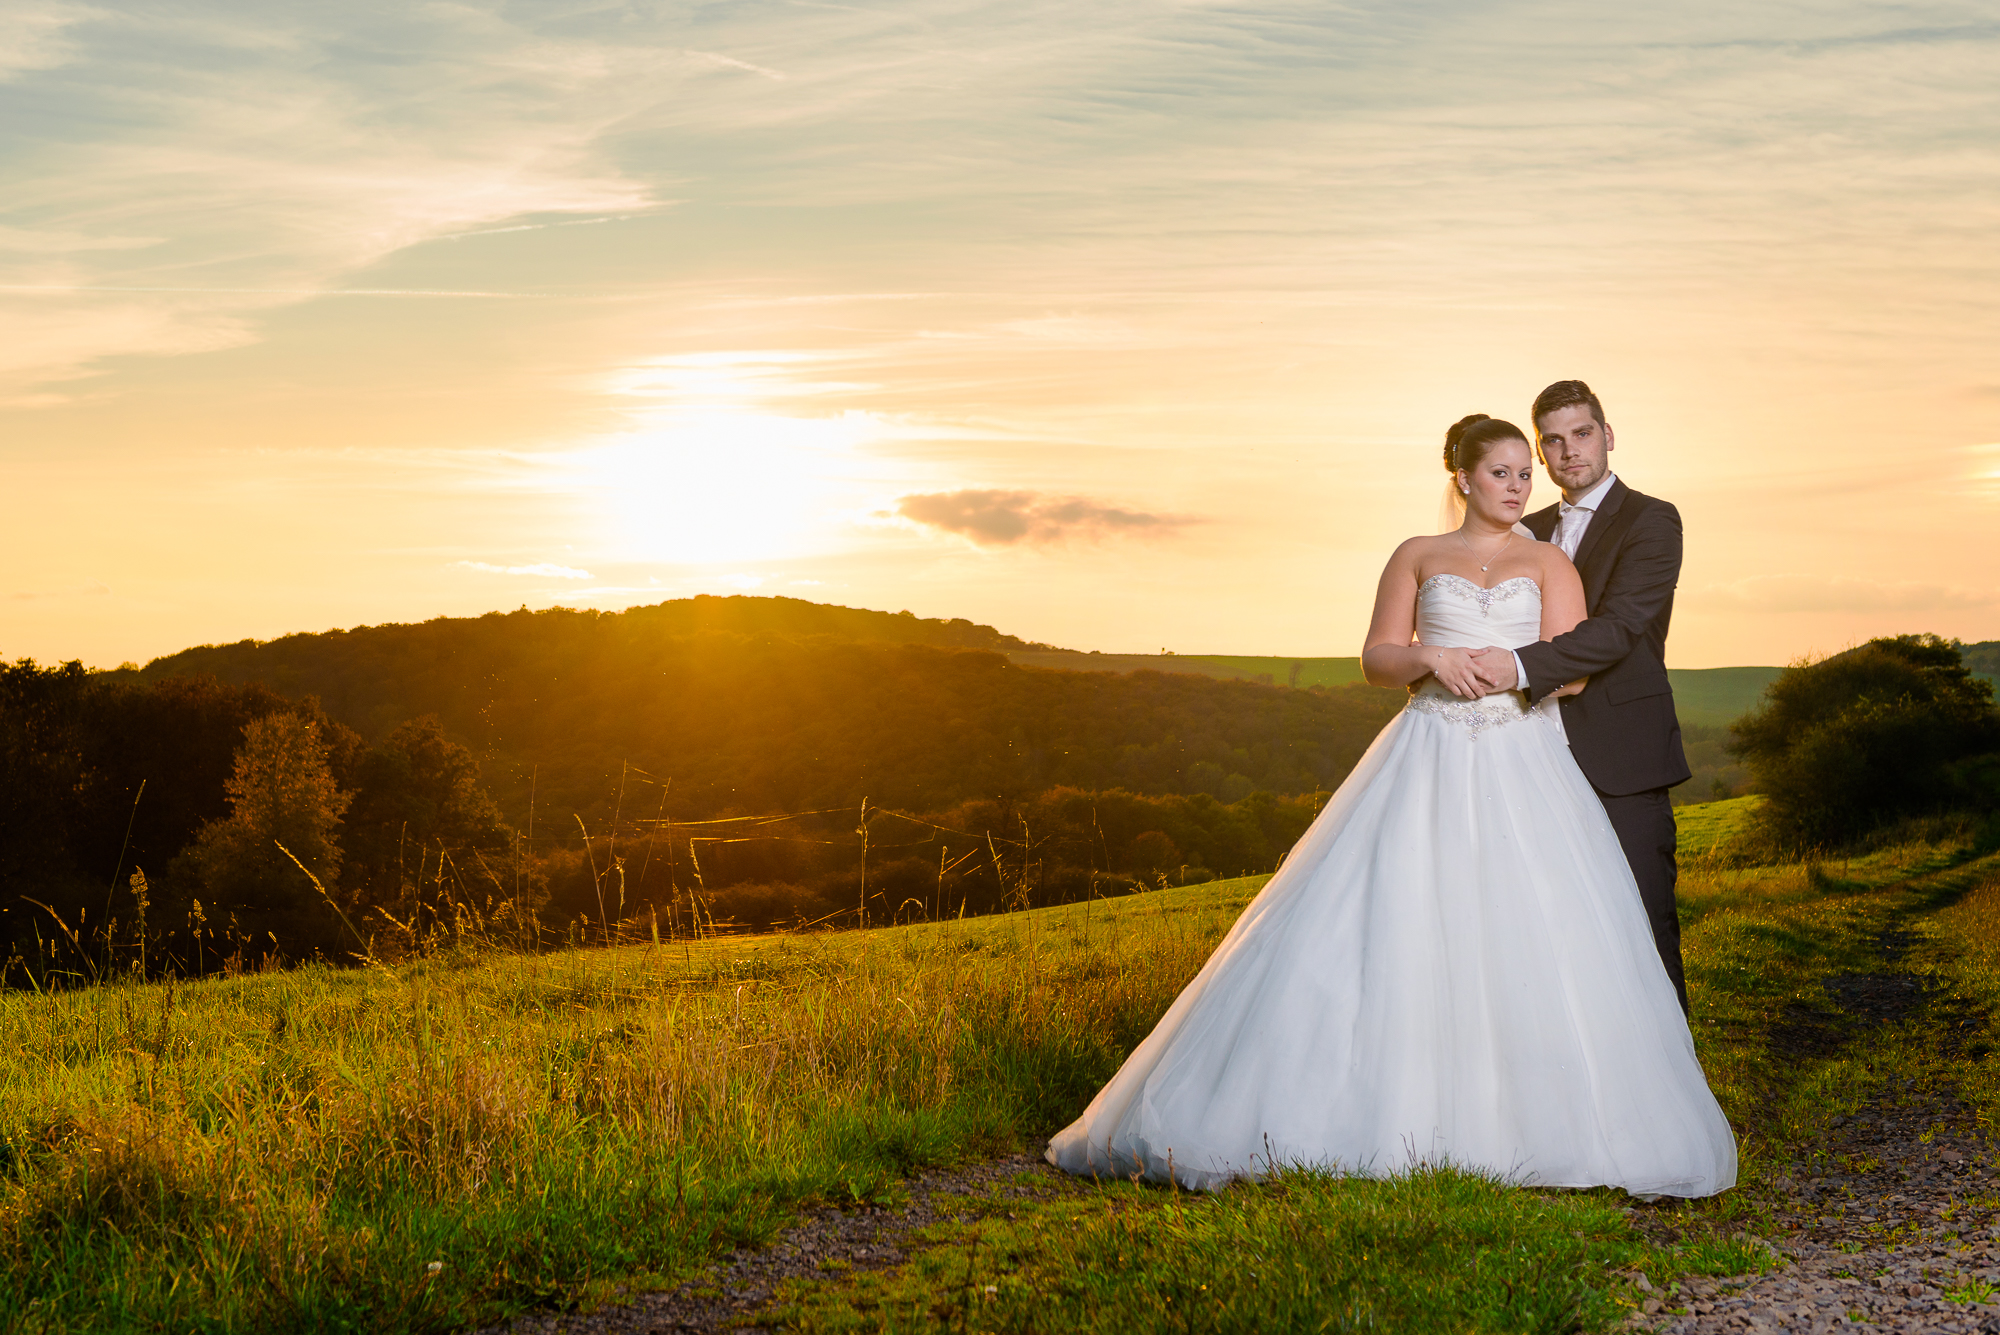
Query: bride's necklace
x=1504, y=542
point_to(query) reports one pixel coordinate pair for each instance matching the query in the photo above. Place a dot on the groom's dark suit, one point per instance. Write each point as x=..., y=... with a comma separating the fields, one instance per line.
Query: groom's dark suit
x=1622, y=729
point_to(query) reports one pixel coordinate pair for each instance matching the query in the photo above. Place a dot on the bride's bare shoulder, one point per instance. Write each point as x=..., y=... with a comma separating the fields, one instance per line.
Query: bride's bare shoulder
x=1412, y=551
x=1555, y=567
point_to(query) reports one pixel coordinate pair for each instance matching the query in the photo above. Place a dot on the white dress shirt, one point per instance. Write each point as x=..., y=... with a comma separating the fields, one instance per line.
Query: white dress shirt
x=1572, y=522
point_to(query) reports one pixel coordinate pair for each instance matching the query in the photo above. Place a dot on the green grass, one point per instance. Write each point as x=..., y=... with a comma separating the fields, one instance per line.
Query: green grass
x=1438, y=1250
x=1708, y=828
x=452, y=1140
x=296, y=1150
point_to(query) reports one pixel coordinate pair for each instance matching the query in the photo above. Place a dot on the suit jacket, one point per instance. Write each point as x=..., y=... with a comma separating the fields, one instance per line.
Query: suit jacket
x=1622, y=729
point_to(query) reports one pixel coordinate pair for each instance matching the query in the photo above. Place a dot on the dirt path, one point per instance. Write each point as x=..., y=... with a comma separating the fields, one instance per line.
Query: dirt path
x=822, y=1241
x=1898, y=1227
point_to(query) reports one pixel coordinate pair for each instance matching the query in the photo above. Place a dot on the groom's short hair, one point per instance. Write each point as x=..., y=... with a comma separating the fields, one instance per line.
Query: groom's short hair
x=1566, y=394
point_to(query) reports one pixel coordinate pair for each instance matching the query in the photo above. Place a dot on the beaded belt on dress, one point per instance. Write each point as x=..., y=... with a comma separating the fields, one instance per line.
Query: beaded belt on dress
x=1476, y=716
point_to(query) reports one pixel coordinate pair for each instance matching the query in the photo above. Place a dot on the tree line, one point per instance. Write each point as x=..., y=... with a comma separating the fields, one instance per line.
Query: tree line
x=746, y=763
x=582, y=774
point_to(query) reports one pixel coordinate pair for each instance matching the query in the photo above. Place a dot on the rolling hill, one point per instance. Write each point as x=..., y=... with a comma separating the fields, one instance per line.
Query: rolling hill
x=751, y=703
x=769, y=704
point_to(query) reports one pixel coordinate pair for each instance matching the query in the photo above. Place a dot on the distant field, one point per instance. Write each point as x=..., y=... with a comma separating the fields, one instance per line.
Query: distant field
x=1717, y=697
x=1300, y=672
x=1708, y=697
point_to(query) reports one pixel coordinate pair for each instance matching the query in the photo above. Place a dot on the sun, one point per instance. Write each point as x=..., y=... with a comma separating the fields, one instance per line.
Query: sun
x=725, y=485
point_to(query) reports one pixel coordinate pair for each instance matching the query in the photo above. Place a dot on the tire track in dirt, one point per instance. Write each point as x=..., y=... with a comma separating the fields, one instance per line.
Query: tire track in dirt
x=1895, y=1229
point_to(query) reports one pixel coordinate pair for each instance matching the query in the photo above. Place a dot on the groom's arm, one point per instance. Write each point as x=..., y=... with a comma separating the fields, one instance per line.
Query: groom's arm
x=1642, y=584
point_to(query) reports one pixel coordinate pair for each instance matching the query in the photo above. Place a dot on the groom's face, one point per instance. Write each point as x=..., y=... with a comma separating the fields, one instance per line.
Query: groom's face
x=1575, y=446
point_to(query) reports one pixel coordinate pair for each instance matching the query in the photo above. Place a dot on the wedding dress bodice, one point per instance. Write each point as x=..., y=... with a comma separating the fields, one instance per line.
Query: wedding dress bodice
x=1455, y=613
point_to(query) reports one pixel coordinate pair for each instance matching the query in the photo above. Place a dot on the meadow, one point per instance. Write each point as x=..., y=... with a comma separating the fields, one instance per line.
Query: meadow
x=454, y=1138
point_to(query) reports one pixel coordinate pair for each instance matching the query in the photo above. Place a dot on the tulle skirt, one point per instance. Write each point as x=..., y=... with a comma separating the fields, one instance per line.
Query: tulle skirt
x=1452, y=966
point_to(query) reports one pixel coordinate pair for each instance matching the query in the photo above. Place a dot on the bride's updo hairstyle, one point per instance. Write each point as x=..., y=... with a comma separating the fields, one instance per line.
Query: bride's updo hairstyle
x=1472, y=438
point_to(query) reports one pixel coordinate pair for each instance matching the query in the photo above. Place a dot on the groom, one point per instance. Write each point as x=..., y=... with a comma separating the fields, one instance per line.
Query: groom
x=1622, y=728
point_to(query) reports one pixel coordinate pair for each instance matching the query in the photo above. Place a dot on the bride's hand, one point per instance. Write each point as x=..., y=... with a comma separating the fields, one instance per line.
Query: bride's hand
x=1570, y=688
x=1453, y=667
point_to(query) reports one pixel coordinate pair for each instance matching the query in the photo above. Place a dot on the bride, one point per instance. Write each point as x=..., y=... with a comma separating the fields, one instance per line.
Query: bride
x=1453, y=964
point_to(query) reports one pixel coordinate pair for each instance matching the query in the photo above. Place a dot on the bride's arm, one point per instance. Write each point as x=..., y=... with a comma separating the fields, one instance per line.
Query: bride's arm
x=1390, y=658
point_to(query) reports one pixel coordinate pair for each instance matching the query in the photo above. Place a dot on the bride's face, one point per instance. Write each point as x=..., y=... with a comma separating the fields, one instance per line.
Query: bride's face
x=1497, y=487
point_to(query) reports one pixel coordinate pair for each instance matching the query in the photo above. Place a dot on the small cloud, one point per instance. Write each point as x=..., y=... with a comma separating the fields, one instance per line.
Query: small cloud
x=739, y=581
x=1002, y=518
x=805, y=583
x=544, y=570
x=1816, y=593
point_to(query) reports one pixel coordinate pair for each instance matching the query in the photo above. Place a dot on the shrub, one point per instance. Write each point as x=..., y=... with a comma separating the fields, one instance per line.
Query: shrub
x=1866, y=737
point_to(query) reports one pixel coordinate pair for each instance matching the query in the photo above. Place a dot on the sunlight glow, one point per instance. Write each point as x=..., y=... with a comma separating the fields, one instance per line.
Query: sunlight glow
x=722, y=486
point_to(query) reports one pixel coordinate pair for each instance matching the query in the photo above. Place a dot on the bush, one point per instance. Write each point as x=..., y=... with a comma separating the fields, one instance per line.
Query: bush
x=1864, y=738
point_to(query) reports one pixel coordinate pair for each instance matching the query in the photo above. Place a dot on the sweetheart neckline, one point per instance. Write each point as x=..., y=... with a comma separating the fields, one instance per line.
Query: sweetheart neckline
x=1512, y=579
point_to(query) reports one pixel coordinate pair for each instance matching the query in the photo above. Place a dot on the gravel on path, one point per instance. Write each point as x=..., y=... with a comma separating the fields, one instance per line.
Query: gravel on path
x=1896, y=1234
x=1894, y=1226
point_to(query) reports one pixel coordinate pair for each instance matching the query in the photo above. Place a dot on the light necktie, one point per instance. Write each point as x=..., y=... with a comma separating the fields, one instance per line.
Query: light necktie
x=1570, y=522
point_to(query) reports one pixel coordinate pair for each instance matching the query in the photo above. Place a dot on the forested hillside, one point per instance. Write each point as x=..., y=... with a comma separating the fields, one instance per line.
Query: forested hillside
x=763, y=704
x=748, y=759
x=760, y=760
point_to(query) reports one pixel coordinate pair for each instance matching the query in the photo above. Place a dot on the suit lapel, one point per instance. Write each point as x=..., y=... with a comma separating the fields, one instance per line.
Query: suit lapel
x=1601, y=523
x=1542, y=523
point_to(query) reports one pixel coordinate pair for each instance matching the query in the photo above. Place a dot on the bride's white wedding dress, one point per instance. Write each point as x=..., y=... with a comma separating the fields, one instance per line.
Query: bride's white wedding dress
x=1451, y=966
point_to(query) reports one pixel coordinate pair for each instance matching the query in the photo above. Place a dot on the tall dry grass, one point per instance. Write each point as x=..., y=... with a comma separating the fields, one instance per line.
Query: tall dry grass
x=441, y=1141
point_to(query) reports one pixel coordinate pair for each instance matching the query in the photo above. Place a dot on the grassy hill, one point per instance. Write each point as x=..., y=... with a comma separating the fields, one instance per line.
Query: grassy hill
x=445, y=1142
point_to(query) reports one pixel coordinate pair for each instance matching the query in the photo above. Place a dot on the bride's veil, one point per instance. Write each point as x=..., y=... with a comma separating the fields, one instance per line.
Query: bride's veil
x=1451, y=510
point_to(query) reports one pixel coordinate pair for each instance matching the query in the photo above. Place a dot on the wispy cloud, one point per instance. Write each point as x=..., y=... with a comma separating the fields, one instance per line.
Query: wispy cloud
x=349, y=158
x=36, y=36
x=264, y=291
x=1005, y=518
x=731, y=62
x=543, y=570
x=525, y=227
x=88, y=589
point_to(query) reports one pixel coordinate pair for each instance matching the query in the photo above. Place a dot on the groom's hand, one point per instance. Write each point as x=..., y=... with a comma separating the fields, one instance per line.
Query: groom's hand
x=1494, y=667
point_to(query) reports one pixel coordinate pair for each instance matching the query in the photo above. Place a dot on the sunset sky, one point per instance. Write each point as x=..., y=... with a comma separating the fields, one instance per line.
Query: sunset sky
x=1119, y=326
